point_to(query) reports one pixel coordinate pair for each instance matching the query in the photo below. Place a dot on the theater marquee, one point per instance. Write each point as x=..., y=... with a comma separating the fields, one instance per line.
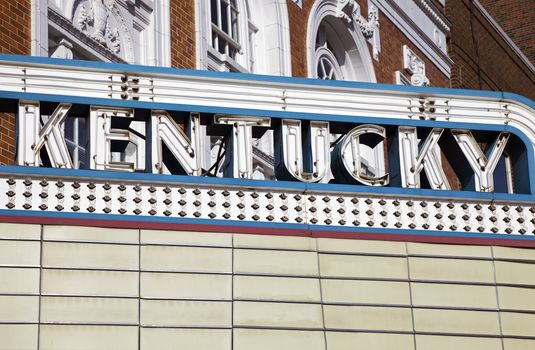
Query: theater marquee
x=452, y=163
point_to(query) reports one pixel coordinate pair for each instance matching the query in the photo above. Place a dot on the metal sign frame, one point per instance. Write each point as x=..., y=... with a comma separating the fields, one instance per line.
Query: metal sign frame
x=306, y=208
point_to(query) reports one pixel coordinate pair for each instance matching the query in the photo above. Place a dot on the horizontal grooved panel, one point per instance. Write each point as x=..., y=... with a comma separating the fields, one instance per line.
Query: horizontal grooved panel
x=97, y=256
x=229, y=291
x=456, y=321
x=198, y=339
x=89, y=310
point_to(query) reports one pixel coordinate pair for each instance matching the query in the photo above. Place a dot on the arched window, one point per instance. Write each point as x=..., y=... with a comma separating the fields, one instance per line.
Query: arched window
x=327, y=64
x=337, y=48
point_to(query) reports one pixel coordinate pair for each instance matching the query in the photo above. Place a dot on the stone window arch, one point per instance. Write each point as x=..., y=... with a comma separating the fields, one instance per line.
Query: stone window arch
x=336, y=36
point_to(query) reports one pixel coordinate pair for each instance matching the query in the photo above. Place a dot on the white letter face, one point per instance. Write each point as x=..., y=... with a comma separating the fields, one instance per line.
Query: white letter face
x=349, y=151
x=103, y=137
x=482, y=164
x=33, y=136
x=186, y=150
x=315, y=156
x=413, y=159
x=239, y=148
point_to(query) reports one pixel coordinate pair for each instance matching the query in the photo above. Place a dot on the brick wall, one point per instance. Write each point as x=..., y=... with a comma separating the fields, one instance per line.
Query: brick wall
x=517, y=19
x=182, y=14
x=438, y=4
x=15, y=26
x=15, y=37
x=390, y=58
x=483, y=60
x=298, y=19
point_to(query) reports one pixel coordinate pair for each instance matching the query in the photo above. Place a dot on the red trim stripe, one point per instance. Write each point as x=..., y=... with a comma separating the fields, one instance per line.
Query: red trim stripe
x=207, y=228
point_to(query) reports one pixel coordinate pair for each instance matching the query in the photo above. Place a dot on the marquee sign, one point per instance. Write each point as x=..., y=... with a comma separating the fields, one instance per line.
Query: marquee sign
x=443, y=160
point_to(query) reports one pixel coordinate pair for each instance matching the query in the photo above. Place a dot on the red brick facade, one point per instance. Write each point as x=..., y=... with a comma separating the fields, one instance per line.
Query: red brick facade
x=390, y=58
x=516, y=17
x=182, y=15
x=298, y=37
x=15, y=26
x=15, y=37
x=482, y=58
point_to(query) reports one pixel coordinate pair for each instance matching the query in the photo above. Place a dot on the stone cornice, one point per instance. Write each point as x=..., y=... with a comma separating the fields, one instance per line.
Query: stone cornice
x=65, y=26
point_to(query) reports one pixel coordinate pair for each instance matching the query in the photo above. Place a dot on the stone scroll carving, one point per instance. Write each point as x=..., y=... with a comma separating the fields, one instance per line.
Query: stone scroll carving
x=415, y=66
x=349, y=11
x=102, y=21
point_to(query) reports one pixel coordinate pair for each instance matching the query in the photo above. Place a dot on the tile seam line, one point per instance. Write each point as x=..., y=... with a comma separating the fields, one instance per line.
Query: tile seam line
x=409, y=280
x=41, y=237
x=499, y=313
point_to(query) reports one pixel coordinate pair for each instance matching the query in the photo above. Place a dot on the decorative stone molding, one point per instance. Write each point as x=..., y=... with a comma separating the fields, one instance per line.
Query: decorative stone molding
x=432, y=12
x=126, y=31
x=118, y=34
x=415, y=66
x=401, y=79
x=325, y=14
x=115, y=41
x=424, y=25
x=103, y=22
x=349, y=11
x=78, y=38
x=63, y=50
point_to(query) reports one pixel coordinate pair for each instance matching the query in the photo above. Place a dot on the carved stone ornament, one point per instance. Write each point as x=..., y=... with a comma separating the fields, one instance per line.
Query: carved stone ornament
x=415, y=66
x=349, y=11
x=102, y=21
x=63, y=50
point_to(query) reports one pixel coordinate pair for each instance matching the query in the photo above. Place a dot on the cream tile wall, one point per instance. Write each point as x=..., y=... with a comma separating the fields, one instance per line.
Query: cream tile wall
x=99, y=288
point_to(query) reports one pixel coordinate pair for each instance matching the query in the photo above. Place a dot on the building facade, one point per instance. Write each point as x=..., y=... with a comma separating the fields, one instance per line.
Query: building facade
x=488, y=56
x=265, y=194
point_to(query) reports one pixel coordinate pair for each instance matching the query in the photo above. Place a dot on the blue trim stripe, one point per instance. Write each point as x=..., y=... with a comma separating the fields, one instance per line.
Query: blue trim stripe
x=233, y=223
x=519, y=98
